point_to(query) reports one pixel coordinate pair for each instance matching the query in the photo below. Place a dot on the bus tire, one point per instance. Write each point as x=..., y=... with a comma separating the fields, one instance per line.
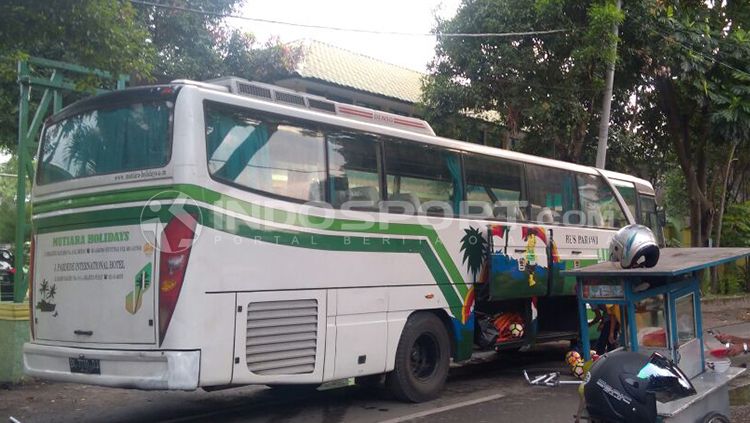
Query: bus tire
x=422, y=359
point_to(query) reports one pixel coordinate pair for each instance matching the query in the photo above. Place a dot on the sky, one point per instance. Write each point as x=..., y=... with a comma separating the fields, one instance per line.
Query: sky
x=412, y=16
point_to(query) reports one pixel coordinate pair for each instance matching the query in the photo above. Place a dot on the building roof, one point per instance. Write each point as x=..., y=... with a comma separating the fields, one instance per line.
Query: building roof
x=344, y=68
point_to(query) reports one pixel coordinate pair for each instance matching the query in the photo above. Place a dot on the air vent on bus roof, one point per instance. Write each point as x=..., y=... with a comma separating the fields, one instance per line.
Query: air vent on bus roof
x=325, y=106
x=270, y=92
x=254, y=90
x=290, y=98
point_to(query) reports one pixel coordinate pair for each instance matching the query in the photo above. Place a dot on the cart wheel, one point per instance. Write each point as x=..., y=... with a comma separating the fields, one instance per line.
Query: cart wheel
x=715, y=417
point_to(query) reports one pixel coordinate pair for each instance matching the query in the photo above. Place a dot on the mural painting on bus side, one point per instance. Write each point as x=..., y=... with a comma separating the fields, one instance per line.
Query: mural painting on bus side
x=134, y=299
x=46, y=304
x=524, y=275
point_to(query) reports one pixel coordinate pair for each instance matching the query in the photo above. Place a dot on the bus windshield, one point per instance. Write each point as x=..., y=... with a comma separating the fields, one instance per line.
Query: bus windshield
x=130, y=137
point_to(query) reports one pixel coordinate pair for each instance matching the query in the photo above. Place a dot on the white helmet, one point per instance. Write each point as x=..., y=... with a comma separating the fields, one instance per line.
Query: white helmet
x=634, y=246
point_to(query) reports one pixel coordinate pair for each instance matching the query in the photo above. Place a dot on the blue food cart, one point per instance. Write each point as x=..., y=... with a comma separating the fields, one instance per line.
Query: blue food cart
x=661, y=312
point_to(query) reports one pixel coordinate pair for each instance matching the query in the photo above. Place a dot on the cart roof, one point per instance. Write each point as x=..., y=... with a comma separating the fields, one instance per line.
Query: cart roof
x=672, y=262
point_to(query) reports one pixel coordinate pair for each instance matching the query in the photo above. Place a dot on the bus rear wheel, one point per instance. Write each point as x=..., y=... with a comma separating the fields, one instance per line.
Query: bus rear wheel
x=422, y=359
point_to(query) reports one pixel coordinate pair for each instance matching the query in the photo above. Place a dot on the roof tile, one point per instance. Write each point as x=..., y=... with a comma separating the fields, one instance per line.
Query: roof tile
x=342, y=67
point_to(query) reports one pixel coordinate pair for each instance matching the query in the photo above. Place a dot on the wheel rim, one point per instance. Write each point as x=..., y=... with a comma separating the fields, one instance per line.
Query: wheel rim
x=424, y=356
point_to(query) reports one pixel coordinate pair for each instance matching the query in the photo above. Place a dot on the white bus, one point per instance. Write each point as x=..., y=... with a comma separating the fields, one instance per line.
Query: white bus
x=230, y=233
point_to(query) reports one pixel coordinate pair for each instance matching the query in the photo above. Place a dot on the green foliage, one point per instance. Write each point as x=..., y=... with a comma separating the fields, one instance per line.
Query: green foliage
x=200, y=47
x=152, y=44
x=675, y=201
x=546, y=86
x=103, y=34
x=733, y=280
x=269, y=62
x=186, y=42
x=98, y=33
x=736, y=228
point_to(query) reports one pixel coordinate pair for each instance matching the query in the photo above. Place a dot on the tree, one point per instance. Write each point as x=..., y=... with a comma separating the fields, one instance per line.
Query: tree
x=151, y=43
x=546, y=86
x=102, y=34
x=694, y=57
x=267, y=63
x=197, y=44
x=187, y=43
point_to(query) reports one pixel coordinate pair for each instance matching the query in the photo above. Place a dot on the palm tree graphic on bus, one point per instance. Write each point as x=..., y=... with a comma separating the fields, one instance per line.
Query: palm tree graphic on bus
x=46, y=303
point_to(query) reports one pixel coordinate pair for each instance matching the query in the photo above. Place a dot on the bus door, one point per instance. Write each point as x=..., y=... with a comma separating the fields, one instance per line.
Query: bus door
x=576, y=248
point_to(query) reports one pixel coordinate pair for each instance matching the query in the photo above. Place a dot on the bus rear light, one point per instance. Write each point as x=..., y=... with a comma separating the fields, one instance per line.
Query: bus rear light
x=176, y=242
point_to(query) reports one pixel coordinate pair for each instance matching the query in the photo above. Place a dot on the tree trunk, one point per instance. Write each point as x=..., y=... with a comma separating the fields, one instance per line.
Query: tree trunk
x=720, y=214
x=723, y=199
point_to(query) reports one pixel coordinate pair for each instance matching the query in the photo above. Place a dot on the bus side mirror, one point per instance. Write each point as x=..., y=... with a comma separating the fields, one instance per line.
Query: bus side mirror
x=661, y=216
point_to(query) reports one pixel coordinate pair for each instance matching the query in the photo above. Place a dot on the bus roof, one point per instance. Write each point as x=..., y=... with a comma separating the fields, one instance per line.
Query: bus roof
x=642, y=184
x=376, y=126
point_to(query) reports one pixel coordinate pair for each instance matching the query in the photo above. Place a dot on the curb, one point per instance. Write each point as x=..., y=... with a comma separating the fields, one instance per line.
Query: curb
x=725, y=299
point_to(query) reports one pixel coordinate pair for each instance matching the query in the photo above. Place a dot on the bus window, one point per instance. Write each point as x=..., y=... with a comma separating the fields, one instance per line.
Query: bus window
x=551, y=194
x=97, y=142
x=417, y=174
x=493, y=188
x=628, y=193
x=598, y=203
x=264, y=154
x=649, y=216
x=353, y=169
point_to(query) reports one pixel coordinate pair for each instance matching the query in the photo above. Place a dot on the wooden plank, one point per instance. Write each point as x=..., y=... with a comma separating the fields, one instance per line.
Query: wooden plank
x=672, y=262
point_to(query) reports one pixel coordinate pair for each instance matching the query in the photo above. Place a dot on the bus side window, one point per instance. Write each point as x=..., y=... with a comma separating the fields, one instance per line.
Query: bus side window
x=598, y=203
x=261, y=153
x=551, y=194
x=493, y=188
x=422, y=179
x=353, y=169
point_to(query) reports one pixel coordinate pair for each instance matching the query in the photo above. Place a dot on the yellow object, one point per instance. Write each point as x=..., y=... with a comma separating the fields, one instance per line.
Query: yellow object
x=614, y=311
x=14, y=311
x=531, y=258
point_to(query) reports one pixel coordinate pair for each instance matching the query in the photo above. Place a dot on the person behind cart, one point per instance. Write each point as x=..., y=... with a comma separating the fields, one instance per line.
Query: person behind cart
x=632, y=246
x=609, y=327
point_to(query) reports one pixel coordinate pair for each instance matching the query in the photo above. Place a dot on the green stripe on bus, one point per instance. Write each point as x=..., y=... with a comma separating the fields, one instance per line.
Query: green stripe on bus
x=261, y=233
x=260, y=212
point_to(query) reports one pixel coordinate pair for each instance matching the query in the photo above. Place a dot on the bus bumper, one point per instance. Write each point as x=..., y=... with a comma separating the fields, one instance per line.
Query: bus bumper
x=118, y=368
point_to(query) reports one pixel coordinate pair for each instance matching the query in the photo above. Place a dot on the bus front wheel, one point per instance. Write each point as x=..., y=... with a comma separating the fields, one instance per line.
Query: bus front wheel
x=422, y=359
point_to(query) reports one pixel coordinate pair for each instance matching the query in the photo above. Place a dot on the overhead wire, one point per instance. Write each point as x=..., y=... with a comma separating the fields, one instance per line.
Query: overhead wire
x=355, y=30
x=695, y=51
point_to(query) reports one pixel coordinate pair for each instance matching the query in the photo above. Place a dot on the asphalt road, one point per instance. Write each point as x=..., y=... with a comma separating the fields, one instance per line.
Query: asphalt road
x=490, y=389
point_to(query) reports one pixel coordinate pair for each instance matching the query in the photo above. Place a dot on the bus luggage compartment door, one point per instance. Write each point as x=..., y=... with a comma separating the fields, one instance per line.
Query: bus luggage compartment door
x=280, y=337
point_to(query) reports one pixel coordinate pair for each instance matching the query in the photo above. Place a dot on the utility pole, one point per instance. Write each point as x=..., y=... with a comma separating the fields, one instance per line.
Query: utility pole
x=601, y=150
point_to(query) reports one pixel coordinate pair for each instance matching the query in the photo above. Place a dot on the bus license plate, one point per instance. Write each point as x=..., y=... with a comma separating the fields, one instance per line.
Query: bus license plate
x=89, y=366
